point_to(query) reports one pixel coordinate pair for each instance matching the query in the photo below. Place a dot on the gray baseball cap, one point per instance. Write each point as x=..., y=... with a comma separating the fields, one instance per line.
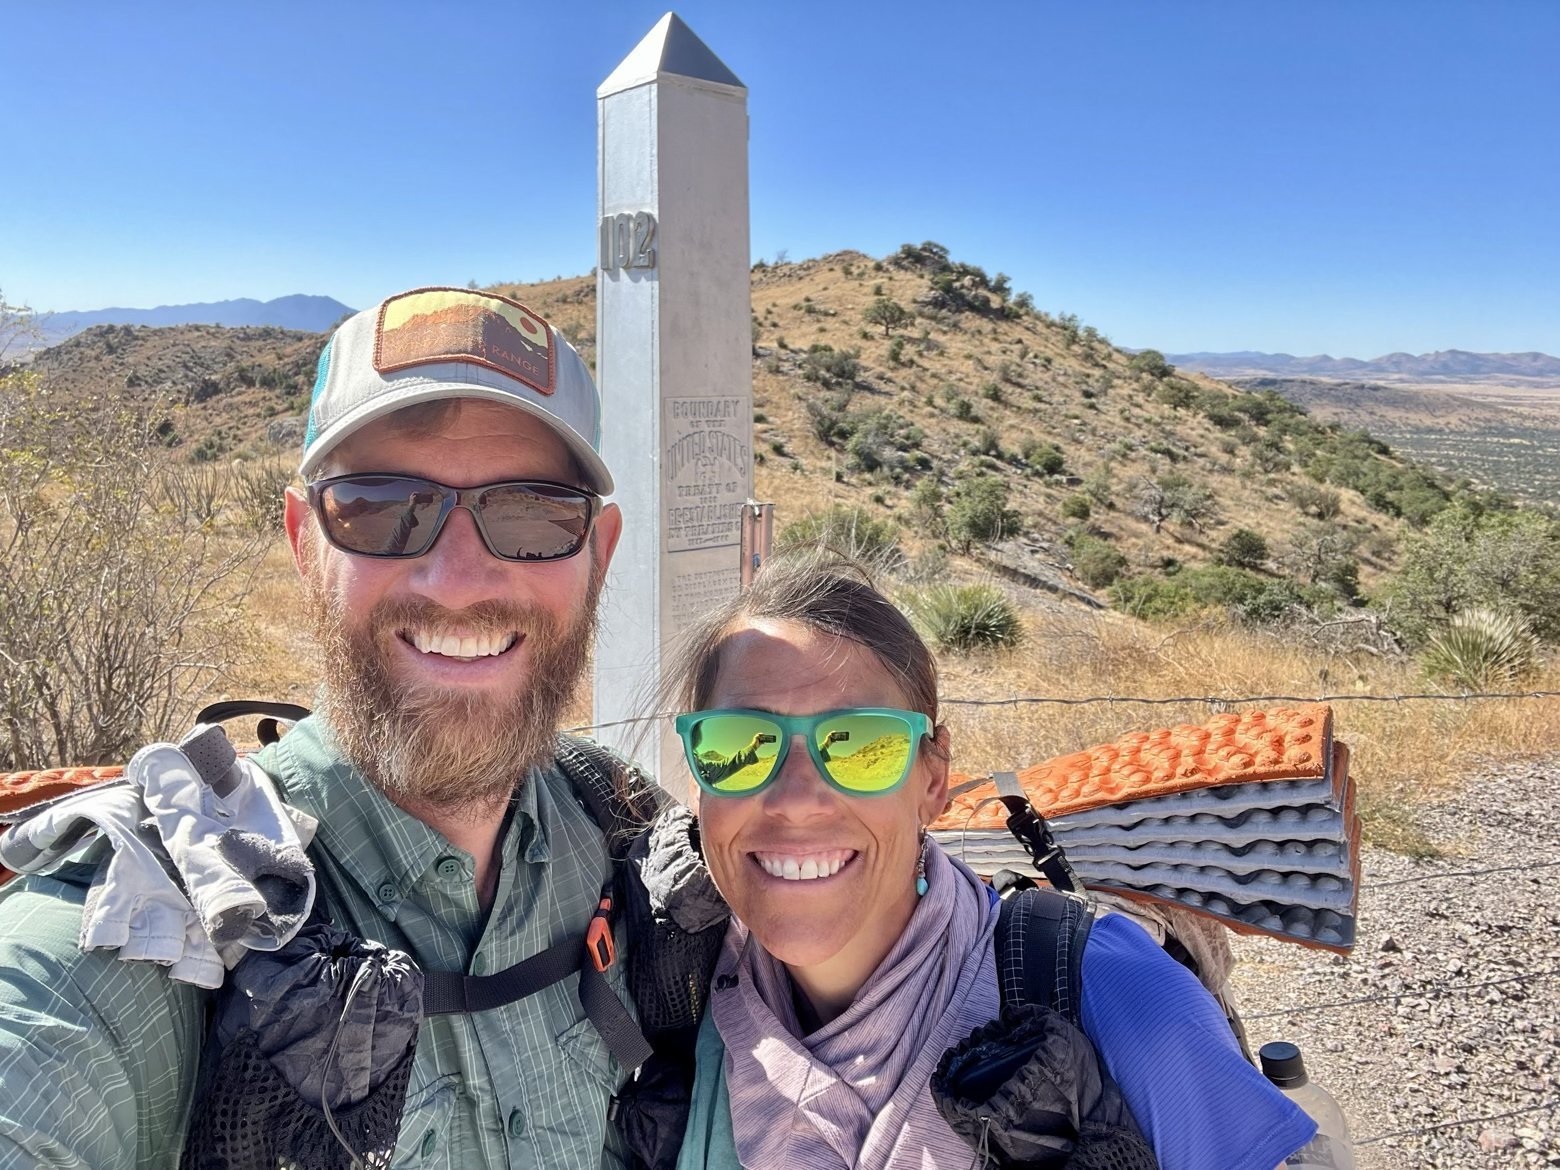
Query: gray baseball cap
x=437, y=343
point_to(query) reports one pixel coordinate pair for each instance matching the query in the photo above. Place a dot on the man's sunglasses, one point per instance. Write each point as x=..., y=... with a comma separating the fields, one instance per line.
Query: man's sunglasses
x=402, y=515
x=861, y=751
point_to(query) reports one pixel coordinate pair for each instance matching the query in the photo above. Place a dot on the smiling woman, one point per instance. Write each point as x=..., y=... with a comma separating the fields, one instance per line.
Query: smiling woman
x=860, y=958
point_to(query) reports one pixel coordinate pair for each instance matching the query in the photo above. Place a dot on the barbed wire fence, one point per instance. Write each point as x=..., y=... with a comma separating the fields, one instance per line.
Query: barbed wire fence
x=1217, y=702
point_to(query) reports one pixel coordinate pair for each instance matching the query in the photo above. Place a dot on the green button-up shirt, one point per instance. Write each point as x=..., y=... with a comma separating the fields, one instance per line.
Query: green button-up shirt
x=98, y=1057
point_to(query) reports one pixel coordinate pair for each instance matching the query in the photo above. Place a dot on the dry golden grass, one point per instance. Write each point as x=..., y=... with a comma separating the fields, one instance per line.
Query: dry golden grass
x=1403, y=753
x=278, y=659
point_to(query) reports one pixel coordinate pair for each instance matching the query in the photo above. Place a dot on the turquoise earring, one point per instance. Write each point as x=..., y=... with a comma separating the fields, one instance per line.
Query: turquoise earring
x=920, y=867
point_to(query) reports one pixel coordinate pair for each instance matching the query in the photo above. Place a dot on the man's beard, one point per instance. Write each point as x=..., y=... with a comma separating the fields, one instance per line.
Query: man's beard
x=446, y=749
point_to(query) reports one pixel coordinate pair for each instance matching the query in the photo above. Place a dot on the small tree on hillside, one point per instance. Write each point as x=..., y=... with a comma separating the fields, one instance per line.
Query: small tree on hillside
x=1191, y=503
x=1323, y=554
x=1243, y=549
x=1465, y=558
x=887, y=312
x=978, y=512
x=1173, y=497
x=1150, y=501
x=1152, y=363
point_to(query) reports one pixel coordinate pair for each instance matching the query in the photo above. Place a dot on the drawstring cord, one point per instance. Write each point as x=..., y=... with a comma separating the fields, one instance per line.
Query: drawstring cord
x=358, y=980
x=983, y=1147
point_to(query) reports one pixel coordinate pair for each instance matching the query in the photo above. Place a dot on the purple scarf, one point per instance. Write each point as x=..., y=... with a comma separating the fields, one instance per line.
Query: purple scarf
x=854, y=1093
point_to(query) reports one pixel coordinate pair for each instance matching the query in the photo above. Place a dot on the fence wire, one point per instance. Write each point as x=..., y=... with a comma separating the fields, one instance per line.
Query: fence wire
x=1552, y=1103
x=1215, y=701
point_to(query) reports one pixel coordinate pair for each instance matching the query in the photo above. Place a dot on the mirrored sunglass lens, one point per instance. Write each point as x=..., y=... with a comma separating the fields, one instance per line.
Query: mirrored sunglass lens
x=865, y=753
x=528, y=522
x=734, y=753
x=381, y=515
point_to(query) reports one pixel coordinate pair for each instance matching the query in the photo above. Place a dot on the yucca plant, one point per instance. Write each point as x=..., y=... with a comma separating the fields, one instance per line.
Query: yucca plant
x=964, y=617
x=1482, y=648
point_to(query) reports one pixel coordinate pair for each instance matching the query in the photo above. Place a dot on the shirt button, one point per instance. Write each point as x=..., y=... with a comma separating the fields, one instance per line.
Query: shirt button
x=516, y=1123
x=430, y=1139
x=388, y=892
x=478, y=964
x=448, y=867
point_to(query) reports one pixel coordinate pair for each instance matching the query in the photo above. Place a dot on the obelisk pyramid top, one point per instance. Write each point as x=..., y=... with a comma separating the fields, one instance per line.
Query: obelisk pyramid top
x=671, y=48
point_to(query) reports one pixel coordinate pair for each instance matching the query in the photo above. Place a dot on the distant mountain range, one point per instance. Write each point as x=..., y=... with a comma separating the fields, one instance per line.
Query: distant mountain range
x=1447, y=365
x=306, y=313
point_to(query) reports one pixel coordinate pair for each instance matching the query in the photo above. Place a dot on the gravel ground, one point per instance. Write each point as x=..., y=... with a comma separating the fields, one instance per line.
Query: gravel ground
x=1438, y=1035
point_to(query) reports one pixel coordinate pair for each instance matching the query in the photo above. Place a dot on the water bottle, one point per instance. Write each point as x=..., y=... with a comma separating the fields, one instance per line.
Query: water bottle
x=1330, y=1149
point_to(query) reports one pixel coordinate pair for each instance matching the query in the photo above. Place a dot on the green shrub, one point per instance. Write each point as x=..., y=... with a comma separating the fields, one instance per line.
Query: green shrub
x=1151, y=363
x=1099, y=486
x=1076, y=507
x=1152, y=598
x=1097, y=563
x=826, y=416
x=978, y=512
x=880, y=441
x=1465, y=558
x=965, y=617
x=1481, y=649
x=831, y=367
x=214, y=446
x=1243, y=549
x=963, y=410
x=926, y=502
x=1156, y=598
x=1176, y=392
x=852, y=532
x=1273, y=602
x=1044, y=457
x=1320, y=502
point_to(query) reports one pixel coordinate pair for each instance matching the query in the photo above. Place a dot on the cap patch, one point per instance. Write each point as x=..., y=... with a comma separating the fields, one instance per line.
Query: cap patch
x=459, y=325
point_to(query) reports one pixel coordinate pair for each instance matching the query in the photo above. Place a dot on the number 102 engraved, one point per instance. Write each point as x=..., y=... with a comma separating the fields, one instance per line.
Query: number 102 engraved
x=627, y=241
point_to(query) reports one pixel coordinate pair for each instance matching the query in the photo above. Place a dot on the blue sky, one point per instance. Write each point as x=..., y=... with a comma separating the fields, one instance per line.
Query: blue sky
x=1339, y=176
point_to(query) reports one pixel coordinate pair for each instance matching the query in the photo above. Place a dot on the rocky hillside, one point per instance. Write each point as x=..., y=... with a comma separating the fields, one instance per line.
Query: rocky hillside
x=218, y=390
x=926, y=394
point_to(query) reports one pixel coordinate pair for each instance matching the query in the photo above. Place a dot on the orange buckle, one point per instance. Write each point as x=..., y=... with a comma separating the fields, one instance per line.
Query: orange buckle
x=598, y=939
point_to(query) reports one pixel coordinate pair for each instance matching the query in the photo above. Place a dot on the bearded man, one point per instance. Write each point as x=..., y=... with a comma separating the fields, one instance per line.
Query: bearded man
x=452, y=540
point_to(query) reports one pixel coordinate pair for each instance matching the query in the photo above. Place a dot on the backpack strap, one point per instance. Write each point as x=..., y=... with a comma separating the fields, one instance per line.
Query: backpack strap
x=621, y=800
x=1032, y=831
x=1039, y=942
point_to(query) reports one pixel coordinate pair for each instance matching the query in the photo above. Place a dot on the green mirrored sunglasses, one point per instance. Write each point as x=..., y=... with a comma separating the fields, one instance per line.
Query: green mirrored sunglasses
x=861, y=751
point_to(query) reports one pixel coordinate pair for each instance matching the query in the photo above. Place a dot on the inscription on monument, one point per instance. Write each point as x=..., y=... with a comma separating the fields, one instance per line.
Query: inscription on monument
x=627, y=241
x=695, y=594
x=705, y=465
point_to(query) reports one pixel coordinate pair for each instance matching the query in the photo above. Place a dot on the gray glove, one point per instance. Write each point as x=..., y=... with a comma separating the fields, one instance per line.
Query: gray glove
x=230, y=839
x=134, y=905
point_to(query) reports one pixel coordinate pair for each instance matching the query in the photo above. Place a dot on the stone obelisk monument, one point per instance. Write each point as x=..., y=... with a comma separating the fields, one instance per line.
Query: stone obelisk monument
x=674, y=345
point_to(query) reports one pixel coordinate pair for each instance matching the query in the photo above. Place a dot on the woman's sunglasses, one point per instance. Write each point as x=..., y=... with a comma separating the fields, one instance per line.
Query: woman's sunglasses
x=861, y=751
x=402, y=515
